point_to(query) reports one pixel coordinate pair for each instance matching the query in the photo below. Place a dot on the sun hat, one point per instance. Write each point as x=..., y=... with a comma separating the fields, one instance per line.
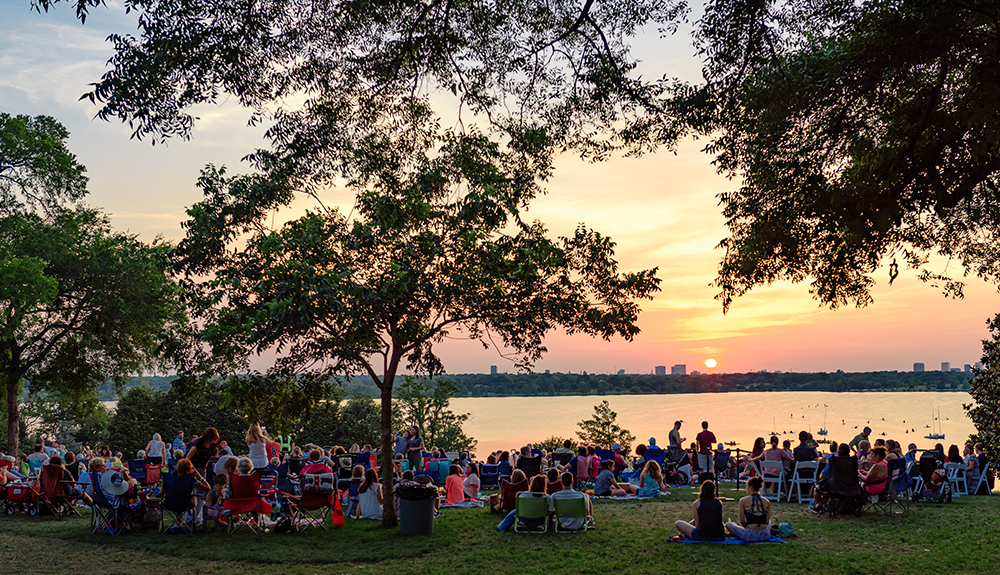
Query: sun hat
x=113, y=483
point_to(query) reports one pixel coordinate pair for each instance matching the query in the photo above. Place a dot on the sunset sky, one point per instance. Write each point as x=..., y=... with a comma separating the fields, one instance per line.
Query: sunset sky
x=661, y=210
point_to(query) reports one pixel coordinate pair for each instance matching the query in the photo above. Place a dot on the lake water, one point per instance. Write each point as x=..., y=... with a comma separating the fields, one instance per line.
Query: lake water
x=510, y=422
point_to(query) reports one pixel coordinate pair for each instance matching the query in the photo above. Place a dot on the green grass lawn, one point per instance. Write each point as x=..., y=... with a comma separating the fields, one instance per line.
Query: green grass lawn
x=631, y=537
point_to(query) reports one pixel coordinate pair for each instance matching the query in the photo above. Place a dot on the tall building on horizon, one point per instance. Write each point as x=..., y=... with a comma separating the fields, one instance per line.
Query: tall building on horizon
x=493, y=370
x=967, y=368
x=660, y=370
x=918, y=367
x=979, y=365
x=945, y=366
x=679, y=369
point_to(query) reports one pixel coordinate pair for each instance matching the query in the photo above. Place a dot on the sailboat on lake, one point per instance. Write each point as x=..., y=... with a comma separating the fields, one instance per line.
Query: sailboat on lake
x=822, y=430
x=939, y=434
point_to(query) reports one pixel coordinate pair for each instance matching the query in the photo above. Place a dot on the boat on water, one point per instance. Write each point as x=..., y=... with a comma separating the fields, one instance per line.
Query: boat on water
x=822, y=430
x=939, y=433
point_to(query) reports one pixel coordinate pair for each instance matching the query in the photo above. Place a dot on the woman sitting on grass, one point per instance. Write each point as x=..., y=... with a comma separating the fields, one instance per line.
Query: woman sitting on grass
x=755, y=514
x=651, y=480
x=370, y=497
x=707, y=517
x=453, y=488
x=471, y=483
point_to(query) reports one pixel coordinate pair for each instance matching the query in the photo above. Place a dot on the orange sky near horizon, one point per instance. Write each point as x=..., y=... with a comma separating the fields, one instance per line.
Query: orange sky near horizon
x=661, y=210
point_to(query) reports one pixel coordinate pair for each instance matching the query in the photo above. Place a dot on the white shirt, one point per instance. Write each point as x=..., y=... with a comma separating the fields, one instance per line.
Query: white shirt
x=368, y=503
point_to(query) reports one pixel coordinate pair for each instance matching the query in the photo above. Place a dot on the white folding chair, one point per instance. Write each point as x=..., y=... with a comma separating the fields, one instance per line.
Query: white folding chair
x=777, y=478
x=803, y=474
x=984, y=480
x=956, y=476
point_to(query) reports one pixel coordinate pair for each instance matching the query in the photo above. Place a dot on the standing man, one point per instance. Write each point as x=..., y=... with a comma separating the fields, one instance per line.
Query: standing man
x=179, y=443
x=859, y=438
x=676, y=441
x=706, y=439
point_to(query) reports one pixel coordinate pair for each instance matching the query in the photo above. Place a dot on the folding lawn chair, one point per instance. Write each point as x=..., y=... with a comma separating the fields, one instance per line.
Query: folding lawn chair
x=956, y=476
x=899, y=486
x=804, y=475
x=177, y=500
x=104, y=516
x=245, y=507
x=35, y=467
x=562, y=458
x=570, y=509
x=508, y=493
x=316, y=502
x=722, y=464
x=984, y=481
x=153, y=476
x=776, y=479
x=531, y=466
x=52, y=494
x=489, y=475
x=531, y=512
x=137, y=469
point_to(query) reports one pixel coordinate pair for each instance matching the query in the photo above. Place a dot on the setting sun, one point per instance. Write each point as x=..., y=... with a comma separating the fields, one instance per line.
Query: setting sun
x=710, y=362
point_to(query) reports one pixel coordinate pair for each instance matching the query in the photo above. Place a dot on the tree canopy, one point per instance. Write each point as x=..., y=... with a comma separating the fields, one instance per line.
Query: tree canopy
x=861, y=132
x=603, y=430
x=80, y=304
x=432, y=250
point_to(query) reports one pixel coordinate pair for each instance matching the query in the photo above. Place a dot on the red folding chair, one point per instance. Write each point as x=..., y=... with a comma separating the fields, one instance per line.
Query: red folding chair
x=245, y=506
x=52, y=494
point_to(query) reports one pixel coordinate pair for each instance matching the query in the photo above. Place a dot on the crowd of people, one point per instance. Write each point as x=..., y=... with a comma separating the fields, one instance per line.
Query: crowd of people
x=567, y=471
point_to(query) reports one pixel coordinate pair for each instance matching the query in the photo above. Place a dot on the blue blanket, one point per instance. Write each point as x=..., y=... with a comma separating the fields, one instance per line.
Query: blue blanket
x=728, y=541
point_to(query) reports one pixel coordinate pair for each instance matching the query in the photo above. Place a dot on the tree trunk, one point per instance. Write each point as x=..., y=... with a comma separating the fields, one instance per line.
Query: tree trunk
x=13, y=414
x=388, y=500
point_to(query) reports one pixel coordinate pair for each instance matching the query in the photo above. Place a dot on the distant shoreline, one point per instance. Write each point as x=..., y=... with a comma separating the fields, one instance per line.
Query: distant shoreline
x=582, y=384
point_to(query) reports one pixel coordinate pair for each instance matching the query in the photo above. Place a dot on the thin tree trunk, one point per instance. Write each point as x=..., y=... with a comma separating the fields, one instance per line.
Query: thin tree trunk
x=13, y=413
x=388, y=500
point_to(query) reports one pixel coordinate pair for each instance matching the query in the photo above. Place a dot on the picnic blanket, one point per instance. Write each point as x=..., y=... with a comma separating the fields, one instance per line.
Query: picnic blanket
x=467, y=504
x=728, y=541
x=626, y=497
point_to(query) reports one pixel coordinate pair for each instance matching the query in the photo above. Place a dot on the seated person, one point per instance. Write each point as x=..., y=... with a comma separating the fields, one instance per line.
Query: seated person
x=755, y=514
x=876, y=478
x=370, y=497
x=69, y=486
x=552, y=482
x=567, y=492
x=214, y=499
x=471, y=483
x=453, y=487
x=774, y=453
x=650, y=480
x=315, y=464
x=537, y=485
x=864, y=455
x=605, y=484
x=707, y=517
x=971, y=468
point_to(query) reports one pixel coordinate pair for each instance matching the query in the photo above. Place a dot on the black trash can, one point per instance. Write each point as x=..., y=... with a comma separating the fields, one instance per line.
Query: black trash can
x=416, y=508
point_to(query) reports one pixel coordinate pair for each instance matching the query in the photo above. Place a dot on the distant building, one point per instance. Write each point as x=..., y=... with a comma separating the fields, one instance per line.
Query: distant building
x=945, y=366
x=979, y=365
x=493, y=370
x=660, y=370
x=546, y=372
x=967, y=368
x=679, y=369
x=696, y=372
x=956, y=370
x=621, y=372
x=918, y=367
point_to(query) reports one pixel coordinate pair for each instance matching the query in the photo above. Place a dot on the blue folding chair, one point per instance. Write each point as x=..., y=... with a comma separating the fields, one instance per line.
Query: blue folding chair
x=177, y=500
x=489, y=475
x=137, y=469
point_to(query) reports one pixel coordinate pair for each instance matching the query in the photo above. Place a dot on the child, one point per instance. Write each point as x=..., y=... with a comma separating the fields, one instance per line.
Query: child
x=213, y=501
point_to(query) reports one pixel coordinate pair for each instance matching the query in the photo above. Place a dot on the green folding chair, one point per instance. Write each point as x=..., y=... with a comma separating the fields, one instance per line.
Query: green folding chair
x=532, y=507
x=575, y=508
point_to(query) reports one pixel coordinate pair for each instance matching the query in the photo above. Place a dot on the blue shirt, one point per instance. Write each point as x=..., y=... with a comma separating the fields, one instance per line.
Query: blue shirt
x=178, y=443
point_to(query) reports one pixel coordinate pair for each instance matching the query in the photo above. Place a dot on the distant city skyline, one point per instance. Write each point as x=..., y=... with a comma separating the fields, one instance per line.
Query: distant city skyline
x=661, y=210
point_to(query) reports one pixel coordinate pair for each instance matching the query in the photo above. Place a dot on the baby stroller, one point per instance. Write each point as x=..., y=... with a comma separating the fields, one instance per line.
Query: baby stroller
x=677, y=471
x=936, y=487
